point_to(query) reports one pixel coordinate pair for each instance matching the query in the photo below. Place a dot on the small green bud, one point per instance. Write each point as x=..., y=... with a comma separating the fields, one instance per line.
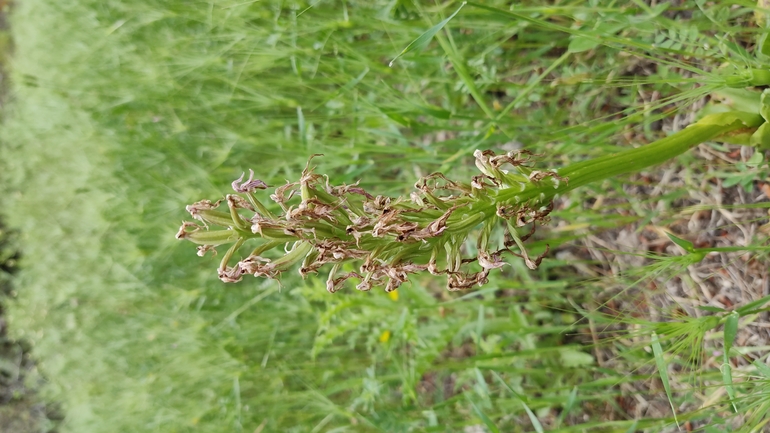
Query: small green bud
x=206, y=237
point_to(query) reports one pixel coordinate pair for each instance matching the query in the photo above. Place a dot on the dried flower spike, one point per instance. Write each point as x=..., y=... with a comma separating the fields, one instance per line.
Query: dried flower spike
x=389, y=239
x=386, y=239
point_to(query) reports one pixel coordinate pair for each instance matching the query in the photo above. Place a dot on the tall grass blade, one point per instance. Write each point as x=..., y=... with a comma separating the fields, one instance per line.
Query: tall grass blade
x=568, y=407
x=731, y=330
x=632, y=428
x=532, y=417
x=482, y=416
x=762, y=368
x=344, y=89
x=426, y=37
x=657, y=352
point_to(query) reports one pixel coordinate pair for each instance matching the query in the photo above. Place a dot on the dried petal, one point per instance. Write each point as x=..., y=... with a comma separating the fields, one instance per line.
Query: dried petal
x=230, y=275
x=182, y=233
x=284, y=193
x=250, y=185
x=490, y=261
x=333, y=284
x=239, y=202
x=258, y=266
x=196, y=207
x=203, y=249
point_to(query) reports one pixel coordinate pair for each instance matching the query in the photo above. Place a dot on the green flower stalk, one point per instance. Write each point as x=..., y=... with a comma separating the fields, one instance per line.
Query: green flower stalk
x=458, y=230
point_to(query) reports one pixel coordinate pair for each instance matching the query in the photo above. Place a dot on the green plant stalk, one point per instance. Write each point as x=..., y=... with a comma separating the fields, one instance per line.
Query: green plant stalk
x=709, y=128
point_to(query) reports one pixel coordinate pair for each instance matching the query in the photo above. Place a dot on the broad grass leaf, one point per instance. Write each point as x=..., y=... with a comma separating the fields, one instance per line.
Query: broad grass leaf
x=731, y=181
x=575, y=358
x=579, y=44
x=397, y=117
x=731, y=330
x=687, y=245
x=433, y=111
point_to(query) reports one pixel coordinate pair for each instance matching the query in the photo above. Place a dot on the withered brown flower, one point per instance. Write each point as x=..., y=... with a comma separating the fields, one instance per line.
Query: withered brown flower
x=387, y=239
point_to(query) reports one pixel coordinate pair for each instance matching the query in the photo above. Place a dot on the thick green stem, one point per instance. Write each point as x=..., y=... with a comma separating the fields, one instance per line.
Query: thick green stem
x=633, y=160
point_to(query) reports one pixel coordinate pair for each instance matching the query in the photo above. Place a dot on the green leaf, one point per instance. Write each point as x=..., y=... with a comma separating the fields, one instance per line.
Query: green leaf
x=711, y=309
x=755, y=160
x=761, y=137
x=578, y=44
x=731, y=330
x=732, y=180
x=687, y=245
x=762, y=368
x=740, y=99
x=657, y=352
x=748, y=183
x=752, y=305
x=731, y=118
x=481, y=382
x=660, y=8
x=727, y=379
x=632, y=427
x=760, y=16
x=568, y=406
x=396, y=116
x=433, y=111
x=424, y=38
x=575, y=358
x=708, y=323
x=764, y=107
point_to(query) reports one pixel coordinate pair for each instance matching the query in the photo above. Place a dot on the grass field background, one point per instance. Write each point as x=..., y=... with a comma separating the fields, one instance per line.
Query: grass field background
x=122, y=112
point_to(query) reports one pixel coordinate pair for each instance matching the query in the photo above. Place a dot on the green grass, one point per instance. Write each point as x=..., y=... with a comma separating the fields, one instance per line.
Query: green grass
x=126, y=111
